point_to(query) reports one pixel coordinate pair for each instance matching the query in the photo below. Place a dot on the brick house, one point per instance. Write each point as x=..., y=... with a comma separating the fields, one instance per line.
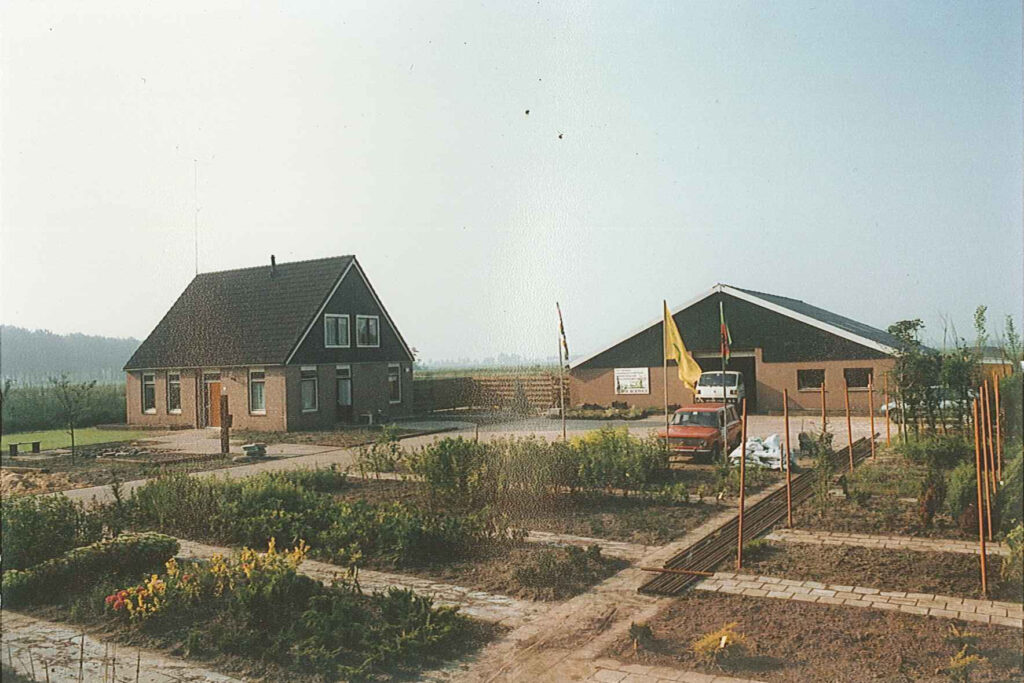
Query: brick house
x=293, y=346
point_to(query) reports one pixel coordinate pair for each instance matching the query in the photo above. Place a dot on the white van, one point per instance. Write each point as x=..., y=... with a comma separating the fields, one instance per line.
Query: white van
x=712, y=386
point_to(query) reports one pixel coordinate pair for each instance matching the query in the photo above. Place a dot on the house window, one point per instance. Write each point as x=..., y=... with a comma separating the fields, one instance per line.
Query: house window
x=367, y=330
x=149, y=393
x=857, y=378
x=308, y=384
x=173, y=392
x=810, y=379
x=336, y=332
x=257, y=392
x=394, y=382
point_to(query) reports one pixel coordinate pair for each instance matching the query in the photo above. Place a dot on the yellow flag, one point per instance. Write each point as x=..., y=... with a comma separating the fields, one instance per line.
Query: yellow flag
x=675, y=350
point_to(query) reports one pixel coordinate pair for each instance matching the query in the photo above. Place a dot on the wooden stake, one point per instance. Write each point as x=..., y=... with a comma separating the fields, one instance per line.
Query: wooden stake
x=991, y=442
x=664, y=369
x=999, y=436
x=885, y=397
x=824, y=421
x=743, y=473
x=980, y=415
x=138, y=665
x=81, y=658
x=981, y=523
x=871, y=412
x=849, y=426
x=788, y=466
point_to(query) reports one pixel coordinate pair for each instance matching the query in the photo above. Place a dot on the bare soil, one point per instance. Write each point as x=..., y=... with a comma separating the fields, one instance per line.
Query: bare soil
x=884, y=515
x=347, y=437
x=952, y=574
x=798, y=642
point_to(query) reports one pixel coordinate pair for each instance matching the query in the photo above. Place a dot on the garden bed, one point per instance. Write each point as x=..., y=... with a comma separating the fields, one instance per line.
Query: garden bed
x=911, y=571
x=346, y=437
x=795, y=641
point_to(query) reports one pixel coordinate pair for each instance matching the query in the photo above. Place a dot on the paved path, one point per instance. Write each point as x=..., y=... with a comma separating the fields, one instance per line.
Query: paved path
x=499, y=609
x=38, y=645
x=982, y=611
x=936, y=545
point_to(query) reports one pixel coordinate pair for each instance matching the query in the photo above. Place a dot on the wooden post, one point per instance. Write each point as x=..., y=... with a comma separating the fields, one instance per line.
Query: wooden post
x=561, y=381
x=789, y=489
x=824, y=421
x=871, y=412
x=981, y=524
x=664, y=369
x=225, y=425
x=743, y=473
x=885, y=397
x=979, y=416
x=849, y=426
x=999, y=436
x=991, y=442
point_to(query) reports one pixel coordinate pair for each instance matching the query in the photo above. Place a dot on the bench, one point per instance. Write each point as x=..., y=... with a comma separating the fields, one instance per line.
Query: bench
x=13, y=447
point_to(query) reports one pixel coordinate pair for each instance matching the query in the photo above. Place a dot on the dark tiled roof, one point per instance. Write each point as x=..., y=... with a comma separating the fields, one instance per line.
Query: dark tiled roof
x=827, y=317
x=240, y=317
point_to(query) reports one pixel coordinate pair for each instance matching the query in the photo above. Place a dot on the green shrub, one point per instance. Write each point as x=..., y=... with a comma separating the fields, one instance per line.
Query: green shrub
x=126, y=555
x=38, y=528
x=962, y=490
x=383, y=455
x=1012, y=406
x=325, y=479
x=558, y=573
x=941, y=451
x=1008, y=499
x=449, y=467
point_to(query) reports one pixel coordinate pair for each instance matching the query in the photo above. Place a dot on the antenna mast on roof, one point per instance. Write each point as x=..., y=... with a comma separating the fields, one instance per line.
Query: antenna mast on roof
x=195, y=190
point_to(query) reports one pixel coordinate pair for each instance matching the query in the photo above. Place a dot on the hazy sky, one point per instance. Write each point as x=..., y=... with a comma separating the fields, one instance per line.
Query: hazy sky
x=864, y=156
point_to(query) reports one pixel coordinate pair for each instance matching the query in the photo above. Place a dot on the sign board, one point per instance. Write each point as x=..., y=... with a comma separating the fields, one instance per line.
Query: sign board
x=632, y=381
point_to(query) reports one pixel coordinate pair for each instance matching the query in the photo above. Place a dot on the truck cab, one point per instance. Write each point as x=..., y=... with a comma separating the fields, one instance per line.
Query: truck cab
x=697, y=431
x=720, y=386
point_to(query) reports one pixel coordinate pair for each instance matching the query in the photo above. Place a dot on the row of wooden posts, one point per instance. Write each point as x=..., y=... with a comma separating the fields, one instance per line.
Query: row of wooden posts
x=988, y=455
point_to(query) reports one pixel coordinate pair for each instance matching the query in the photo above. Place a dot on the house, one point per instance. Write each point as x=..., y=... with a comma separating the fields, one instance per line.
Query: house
x=301, y=345
x=777, y=343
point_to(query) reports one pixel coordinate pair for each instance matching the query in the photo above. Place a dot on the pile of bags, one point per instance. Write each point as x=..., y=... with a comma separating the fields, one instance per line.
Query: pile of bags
x=762, y=453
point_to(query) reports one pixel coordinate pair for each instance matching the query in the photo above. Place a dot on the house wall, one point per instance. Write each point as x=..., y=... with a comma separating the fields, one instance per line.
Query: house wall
x=160, y=417
x=597, y=385
x=235, y=383
x=369, y=394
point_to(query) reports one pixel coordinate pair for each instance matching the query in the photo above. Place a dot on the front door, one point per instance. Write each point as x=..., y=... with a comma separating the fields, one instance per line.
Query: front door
x=213, y=404
x=343, y=380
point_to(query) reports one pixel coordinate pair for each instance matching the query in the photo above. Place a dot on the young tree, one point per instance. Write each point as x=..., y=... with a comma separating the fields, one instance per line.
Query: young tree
x=5, y=393
x=915, y=371
x=73, y=400
x=1012, y=349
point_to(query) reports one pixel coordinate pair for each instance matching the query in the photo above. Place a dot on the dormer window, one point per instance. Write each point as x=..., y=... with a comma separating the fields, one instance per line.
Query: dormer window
x=336, y=331
x=367, y=331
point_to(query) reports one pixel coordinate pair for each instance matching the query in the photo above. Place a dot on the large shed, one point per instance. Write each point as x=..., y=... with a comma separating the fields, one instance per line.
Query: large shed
x=777, y=343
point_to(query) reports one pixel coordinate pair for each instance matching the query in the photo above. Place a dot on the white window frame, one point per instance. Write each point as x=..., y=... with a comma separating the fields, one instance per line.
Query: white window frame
x=316, y=387
x=170, y=410
x=367, y=346
x=348, y=330
x=263, y=381
x=390, y=367
x=152, y=376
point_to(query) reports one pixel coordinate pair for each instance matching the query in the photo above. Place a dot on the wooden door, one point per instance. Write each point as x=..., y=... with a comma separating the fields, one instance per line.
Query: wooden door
x=213, y=404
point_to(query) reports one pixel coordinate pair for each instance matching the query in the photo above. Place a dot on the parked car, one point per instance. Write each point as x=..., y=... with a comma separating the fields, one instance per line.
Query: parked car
x=718, y=386
x=697, y=430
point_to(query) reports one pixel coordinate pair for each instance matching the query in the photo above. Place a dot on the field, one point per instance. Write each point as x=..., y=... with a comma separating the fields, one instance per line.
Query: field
x=59, y=438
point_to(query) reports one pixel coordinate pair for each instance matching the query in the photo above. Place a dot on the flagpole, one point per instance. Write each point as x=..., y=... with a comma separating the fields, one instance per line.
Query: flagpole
x=664, y=361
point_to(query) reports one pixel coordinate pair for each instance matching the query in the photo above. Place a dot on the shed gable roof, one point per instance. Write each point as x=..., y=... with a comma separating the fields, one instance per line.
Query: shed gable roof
x=241, y=317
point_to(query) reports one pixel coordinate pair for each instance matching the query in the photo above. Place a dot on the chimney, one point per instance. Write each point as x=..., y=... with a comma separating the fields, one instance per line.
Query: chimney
x=273, y=266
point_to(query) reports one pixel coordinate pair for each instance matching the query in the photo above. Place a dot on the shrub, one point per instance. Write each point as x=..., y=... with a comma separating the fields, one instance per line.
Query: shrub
x=558, y=573
x=642, y=635
x=1012, y=569
x=318, y=479
x=449, y=466
x=38, y=528
x=932, y=496
x=125, y=555
x=940, y=451
x=1011, y=393
x=383, y=455
x=820, y=448
x=1008, y=499
x=962, y=494
x=713, y=648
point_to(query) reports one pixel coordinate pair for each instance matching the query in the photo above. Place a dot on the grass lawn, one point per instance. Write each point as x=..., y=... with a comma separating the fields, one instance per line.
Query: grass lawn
x=59, y=438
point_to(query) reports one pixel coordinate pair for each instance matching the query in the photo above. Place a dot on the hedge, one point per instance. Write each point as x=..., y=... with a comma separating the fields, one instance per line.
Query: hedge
x=128, y=555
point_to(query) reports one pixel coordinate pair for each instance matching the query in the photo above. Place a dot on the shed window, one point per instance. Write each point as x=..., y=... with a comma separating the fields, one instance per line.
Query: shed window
x=367, y=330
x=857, y=378
x=810, y=379
x=149, y=393
x=173, y=392
x=257, y=392
x=336, y=331
x=309, y=386
x=394, y=382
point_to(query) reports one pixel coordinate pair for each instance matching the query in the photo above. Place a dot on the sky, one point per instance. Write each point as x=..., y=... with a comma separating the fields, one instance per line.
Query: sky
x=865, y=157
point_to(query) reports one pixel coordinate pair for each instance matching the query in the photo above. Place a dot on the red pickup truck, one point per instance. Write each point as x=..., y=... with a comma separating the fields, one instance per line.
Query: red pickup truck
x=697, y=430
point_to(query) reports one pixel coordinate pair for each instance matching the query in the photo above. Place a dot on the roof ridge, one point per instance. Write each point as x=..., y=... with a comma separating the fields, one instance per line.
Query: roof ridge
x=279, y=264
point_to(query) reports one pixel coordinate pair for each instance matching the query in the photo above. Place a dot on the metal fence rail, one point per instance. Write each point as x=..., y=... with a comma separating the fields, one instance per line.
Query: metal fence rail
x=720, y=544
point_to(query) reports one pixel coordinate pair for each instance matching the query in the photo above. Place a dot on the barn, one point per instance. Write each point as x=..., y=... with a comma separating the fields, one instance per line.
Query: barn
x=778, y=343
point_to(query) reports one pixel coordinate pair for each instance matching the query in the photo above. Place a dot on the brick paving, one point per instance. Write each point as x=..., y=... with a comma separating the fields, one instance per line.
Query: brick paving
x=885, y=542
x=498, y=609
x=981, y=611
x=52, y=651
